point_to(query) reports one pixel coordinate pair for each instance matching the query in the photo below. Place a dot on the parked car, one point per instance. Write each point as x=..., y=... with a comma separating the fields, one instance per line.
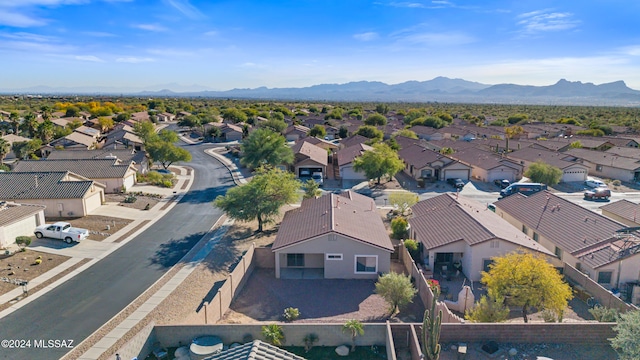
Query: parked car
x=600, y=193
x=523, y=188
x=456, y=183
x=61, y=230
x=502, y=183
x=318, y=178
x=592, y=183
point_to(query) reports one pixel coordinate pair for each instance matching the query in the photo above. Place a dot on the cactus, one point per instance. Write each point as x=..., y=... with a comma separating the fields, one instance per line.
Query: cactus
x=431, y=329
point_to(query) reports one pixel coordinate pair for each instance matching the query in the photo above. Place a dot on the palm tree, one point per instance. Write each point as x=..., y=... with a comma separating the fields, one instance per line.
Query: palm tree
x=46, y=131
x=354, y=328
x=30, y=123
x=14, y=118
x=273, y=334
x=5, y=148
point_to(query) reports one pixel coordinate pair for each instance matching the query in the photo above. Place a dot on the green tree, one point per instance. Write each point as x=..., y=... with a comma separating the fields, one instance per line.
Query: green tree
x=510, y=132
x=382, y=109
x=403, y=201
x=527, y=280
x=406, y=133
x=311, y=189
x=106, y=123
x=376, y=120
x=396, y=289
x=379, y=162
x=46, y=131
x=14, y=119
x=488, y=310
x=274, y=124
x=273, y=334
x=517, y=118
x=30, y=124
x=627, y=340
x=190, y=121
x=544, y=173
x=343, y=132
x=576, y=145
x=399, y=228
x=353, y=328
x=234, y=115
x=5, y=148
x=370, y=132
x=168, y=136
x=166, y=153
x=25, y=149
x=265, y=147
x=145, y=130
x=446, y=151
x=267, y=192
x=72, y=111
x=318, y=131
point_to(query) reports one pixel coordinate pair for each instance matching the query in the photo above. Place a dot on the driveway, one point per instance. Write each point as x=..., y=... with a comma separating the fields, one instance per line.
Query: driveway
x=264, y=298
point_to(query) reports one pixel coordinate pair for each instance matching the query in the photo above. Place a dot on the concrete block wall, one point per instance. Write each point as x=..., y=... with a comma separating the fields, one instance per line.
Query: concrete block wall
x=140, y=345
x=264, y=258
x=604, y=296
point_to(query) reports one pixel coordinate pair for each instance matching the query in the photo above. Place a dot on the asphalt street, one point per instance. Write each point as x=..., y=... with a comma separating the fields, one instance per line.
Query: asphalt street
x=75, y=309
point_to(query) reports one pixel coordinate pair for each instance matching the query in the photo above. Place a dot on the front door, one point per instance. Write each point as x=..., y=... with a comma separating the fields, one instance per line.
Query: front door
x=436, y=173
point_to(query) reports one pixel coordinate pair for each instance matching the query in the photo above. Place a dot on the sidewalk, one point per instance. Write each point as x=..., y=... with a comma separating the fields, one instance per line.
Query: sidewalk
x=95, y=250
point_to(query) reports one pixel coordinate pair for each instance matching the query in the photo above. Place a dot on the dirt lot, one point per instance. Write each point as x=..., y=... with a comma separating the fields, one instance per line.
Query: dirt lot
x=22, y=266
x=140, y=203
x=97, y=225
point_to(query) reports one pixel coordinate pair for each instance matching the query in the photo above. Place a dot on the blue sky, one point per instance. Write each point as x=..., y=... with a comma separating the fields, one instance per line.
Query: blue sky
x=219, y=45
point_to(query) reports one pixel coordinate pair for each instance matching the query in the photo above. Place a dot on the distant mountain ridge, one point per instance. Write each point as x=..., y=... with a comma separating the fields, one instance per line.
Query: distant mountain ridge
x=439, y=89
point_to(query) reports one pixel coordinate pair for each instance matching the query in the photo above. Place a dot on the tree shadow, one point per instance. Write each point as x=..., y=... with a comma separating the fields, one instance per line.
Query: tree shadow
x=204, y=195
x=170, y=253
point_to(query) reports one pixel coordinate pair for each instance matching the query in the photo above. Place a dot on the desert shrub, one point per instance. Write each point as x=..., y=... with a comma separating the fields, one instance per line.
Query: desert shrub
x=399, y=228
x=414, y=249
x=130, y=199
x=548, y=316
x=604, y=314
x=38, y=262
x=309, y=340
x=488, y=310
x=291, y=314
x=616, y=182
x=23, y=242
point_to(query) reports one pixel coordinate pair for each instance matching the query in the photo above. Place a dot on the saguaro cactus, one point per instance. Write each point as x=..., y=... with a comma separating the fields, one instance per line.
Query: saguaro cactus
x=431, y=329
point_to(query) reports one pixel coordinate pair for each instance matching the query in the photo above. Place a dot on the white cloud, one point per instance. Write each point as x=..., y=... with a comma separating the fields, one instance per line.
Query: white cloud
x=25, y=36
x=367, y=36
x=436, y=39
x=134, y=60
x=171, y=52
x=14, y=19
x=185, y=7
x=150, y=27
x=211, y=33
x=99, y=34
x=546, y=20
x=90, y=58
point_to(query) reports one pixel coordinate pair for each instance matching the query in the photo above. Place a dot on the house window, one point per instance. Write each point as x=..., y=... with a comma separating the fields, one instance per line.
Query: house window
x=485, y=264
x=604, y=277
x=558, y=253
x=536, y=238
x=495, y=244
x=426, y=173
x=295, y=260
x=366, y=264
x=525, y=229
x=599, y=168
x=334, y=256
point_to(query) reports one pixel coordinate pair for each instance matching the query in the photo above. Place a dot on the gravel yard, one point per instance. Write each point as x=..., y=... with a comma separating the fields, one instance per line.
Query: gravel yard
x=22, y=265
x=140, y=203
x=100, y=227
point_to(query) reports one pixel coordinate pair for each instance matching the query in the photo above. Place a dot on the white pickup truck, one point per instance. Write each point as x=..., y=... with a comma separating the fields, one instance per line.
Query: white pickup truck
x=61, y=230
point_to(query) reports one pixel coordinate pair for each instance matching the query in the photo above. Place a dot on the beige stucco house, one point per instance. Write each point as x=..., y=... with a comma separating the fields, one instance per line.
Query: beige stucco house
x=18, y=220
x=64, y=193
x=462, y=234
x=588, y=241
x=333, y=237
x=571, y=171
x=423, y=163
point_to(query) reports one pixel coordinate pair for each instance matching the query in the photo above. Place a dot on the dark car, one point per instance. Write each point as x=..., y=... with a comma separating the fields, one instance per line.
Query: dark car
x=597, y=194
x=456, y=183
x=502, y=183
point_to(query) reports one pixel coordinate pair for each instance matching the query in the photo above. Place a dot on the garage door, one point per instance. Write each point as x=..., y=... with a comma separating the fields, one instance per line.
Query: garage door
x=455, y=174
x=499, y=175
x=347, y=173
x=574, y=174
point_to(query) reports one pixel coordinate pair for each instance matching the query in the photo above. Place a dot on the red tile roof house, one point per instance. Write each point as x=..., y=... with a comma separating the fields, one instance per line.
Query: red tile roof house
x=488, y=166
x=423, y=163
x=345, y=162
x=579, y=237
x=333, y=237
x=571, y=171
x=309, y=159
x=607, y=165
x=454, y=229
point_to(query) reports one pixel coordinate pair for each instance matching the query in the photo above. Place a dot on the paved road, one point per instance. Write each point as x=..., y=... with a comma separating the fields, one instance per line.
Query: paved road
x=75, y=309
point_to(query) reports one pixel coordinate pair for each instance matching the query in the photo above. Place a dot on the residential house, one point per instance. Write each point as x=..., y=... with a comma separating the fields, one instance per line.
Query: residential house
x=335, y=236
x=428, y=133
x=76, y=140
x=114, y=175
x=12, y=138
x=423, y=163
x=623, y=211
x=296, y=132
x=345, y=162
x=60, y=122
x=165, y=117
x=123, y=136
x=488, y=166
x=626, y=151
x=460, y=233
x=228, y=131
x=124, y=156
x=255, y=350
x=327, y=145
x=94, y=133
x=579, y=237
x=571, y=171
x=606, y=165
x=18, y=220
x=309, y=159
x=353, y=140
x=623, y=141
x=64, y=193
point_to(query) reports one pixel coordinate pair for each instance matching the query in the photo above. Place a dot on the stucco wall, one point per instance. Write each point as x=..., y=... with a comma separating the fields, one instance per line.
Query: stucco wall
x=22, y=227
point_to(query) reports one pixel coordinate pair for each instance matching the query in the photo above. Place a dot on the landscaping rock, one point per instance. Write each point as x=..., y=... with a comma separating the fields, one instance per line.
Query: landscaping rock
x=513, y=352
x=342, y=350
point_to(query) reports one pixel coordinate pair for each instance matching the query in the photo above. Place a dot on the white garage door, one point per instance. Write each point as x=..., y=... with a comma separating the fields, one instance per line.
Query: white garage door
x=455, y=174
x=502, y=174
x=574, y=174
x=347, y=173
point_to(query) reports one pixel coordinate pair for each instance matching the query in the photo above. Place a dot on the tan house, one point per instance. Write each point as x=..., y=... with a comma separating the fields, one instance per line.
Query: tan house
x=228, y=131
x=571, y=171
x=64, y=193
x=309, y=159
x=607, y=165
x=488, y=166
x=123, y=155
x=423, y=163
x=110, y=172
x=345, y=162
x=335, y=236
x=296, y=132
x=623, y=211
x=18, y=220
x=588, y=241
x=460, y=233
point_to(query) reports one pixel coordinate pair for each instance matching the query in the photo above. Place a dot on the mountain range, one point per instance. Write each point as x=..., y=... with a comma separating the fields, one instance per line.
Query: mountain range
x=439, y=89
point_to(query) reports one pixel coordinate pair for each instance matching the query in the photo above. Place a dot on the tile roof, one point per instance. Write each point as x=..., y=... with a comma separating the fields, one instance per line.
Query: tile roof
x=89, y=168
x=94, y=133
x=625, y=151
x=571, y=227
x=81, y=138
x=605, y=159
x=11, y=138
x=353, y=140
x=349, y=214
x=550, y=157
x=11, y=212
x=41, y=185
x=483, y=159
x=419, y=156
x=297, y=129
x=124, y=155
x=308, y=150
x=448, y=218
x=624, y=208
x=256, y=350
x=347, y=155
